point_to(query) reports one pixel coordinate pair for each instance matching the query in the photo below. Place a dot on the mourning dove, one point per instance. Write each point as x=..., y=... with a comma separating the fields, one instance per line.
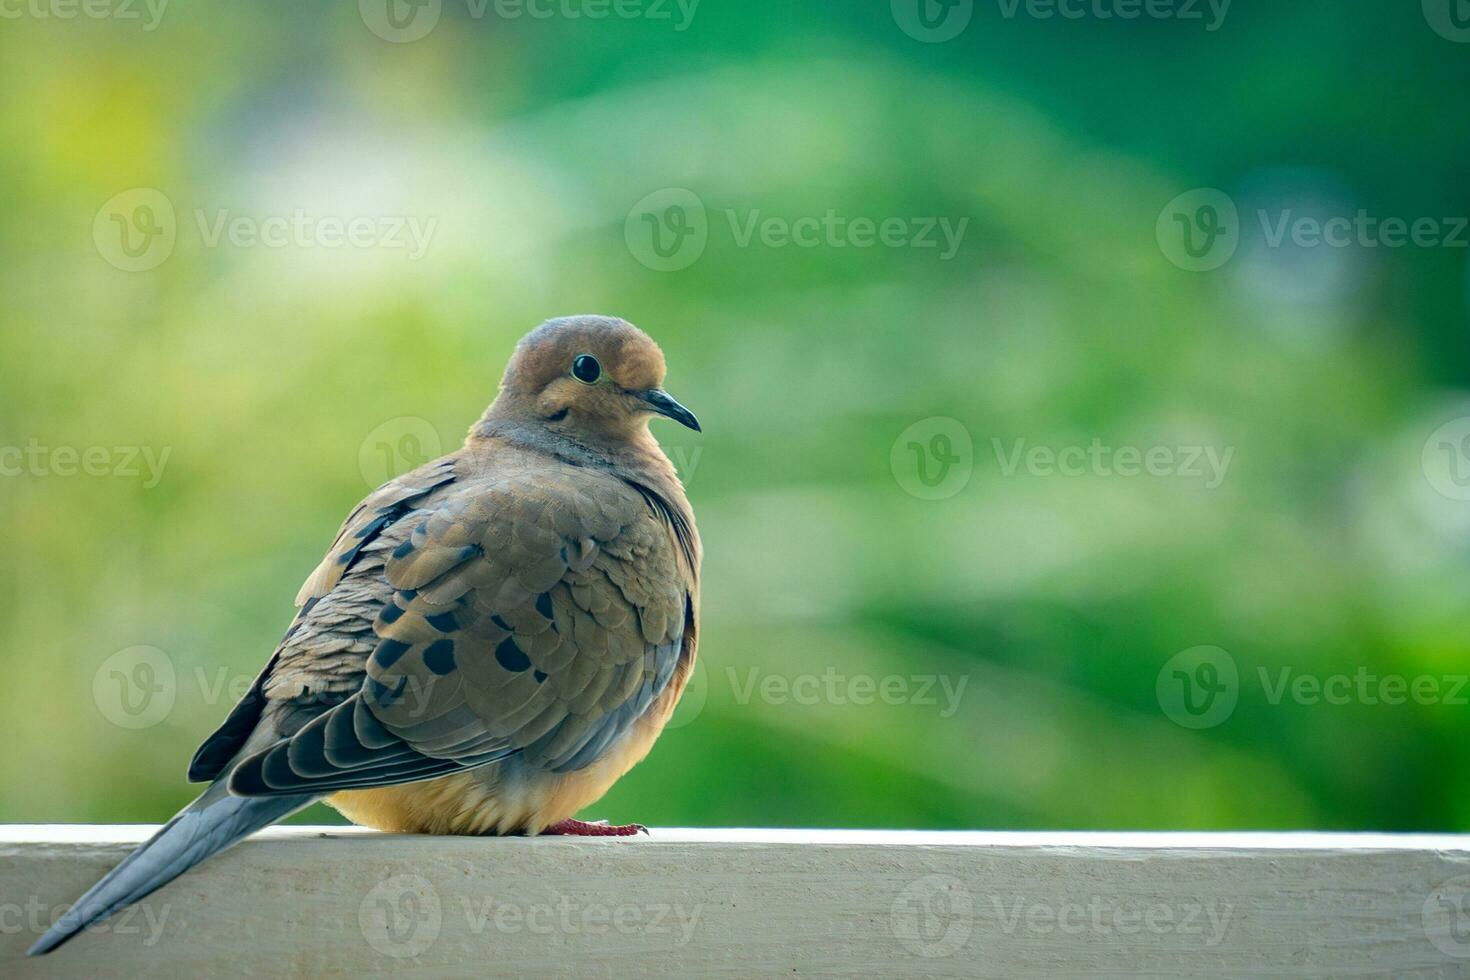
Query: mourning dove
x=491, y=640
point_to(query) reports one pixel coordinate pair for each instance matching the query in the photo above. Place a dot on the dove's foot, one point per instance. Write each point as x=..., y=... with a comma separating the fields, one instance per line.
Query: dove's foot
x=600, y=828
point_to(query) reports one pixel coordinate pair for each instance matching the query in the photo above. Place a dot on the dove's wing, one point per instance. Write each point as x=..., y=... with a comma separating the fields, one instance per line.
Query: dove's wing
x=538, y=614
x=319, y=661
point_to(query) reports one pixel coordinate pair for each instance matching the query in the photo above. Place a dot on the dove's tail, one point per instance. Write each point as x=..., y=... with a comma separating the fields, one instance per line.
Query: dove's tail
x=207, y=826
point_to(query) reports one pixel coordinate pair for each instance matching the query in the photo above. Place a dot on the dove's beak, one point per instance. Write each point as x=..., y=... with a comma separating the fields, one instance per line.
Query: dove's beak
x=663, y=403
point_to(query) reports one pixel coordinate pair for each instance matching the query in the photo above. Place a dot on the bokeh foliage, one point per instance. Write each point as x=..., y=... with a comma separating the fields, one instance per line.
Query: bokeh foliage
x=1056, y=599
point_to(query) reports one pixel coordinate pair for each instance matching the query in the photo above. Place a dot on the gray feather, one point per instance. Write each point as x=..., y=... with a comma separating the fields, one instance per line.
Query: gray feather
x=205, y=827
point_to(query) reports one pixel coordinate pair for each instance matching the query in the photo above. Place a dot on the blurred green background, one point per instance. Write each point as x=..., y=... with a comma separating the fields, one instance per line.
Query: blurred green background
x=999, y=657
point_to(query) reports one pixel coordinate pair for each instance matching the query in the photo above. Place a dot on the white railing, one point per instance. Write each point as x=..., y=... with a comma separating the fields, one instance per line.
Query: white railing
x=319, y=901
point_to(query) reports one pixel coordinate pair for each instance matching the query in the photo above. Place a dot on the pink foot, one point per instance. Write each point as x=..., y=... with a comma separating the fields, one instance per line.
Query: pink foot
x=601, y=828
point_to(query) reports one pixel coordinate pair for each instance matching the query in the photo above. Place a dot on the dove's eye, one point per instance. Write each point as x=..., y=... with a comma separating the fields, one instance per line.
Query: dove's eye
x=586, y=369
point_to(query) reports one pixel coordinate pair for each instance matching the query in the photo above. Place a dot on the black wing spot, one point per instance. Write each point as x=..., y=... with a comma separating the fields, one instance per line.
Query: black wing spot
x=443, y=622
x=439, y=657
x=509, y=656
x=379, y=523
x=391, y=613
x=543, y=604
x=388, y=653
x=369, y=531
x=539, y=675
x=404, y=549
x=501, y=623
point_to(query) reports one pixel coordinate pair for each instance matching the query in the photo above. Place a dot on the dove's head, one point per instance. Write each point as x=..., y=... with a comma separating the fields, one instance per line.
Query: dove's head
x=596, y=379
